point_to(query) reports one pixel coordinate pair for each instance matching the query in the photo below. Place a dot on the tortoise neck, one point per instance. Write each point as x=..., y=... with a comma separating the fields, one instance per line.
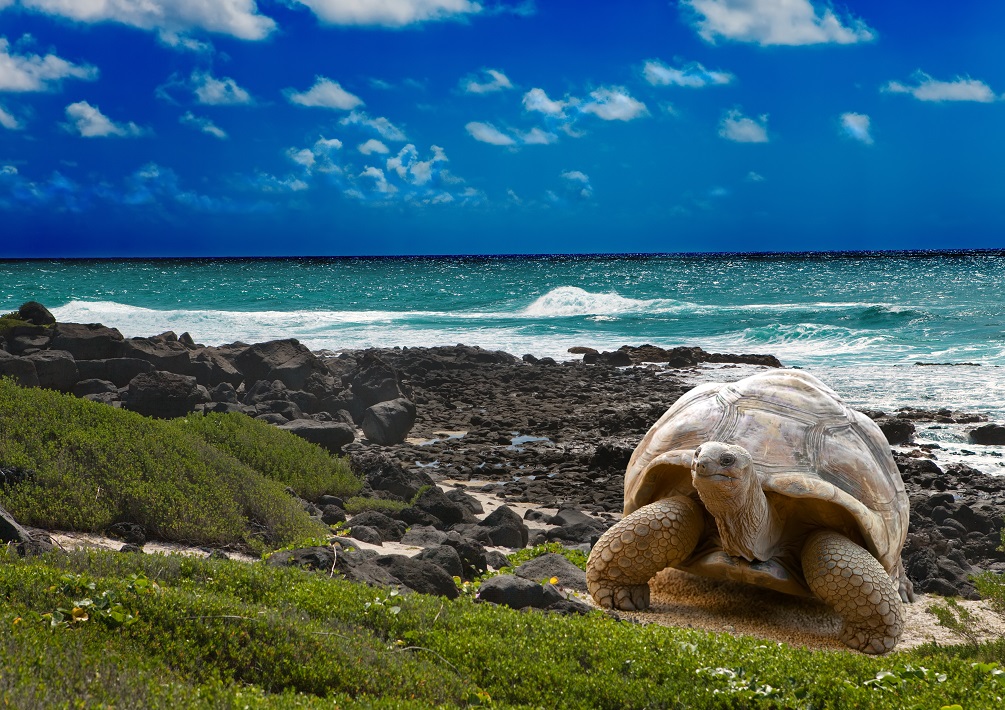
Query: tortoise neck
x=748, y=524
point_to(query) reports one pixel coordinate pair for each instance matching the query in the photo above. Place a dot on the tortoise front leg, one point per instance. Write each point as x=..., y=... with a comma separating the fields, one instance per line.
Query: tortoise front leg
x=629, y=554
x=853, y=583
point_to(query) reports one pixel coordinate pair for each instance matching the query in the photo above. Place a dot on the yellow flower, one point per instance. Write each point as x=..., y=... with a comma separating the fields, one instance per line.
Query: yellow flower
x=553, y=580
x=79, y=614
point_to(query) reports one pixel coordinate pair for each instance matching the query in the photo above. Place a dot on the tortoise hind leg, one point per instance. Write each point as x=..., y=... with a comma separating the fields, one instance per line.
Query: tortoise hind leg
x=853, y=583
x=629, y=554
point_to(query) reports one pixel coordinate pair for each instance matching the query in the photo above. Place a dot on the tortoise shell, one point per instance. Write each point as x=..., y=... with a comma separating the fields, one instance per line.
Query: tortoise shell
x=818, y=460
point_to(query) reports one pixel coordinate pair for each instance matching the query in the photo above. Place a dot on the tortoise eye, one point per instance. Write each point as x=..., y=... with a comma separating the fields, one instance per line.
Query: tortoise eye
x=727, y=460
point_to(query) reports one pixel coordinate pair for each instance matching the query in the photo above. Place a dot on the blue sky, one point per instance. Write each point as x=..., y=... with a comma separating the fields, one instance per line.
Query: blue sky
x=343, y=127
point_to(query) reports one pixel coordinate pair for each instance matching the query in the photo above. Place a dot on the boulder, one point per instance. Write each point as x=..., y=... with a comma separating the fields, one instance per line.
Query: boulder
x=133, y=533
x=211, y=368
x=897, y=430
x=988, y=434
x=224, y=393
x=516, y=592
x=445, y=557
x=423, y=536
x=328, y=435
x=10, y=530
x=468, y=501
x=435, y=502
x=164, y=395
x=375, y=381
x=474, y=557
x=389, y=529
x=162, y=353
x=332, y=515
x=35, y=312
x=22, y=370
x=383, y=474
x=365, y=533
x=505, y=528
x=91, y=341
x=576, y=533
x=553, y=565
x=56, y=369
x=85, y=388
x=316, y=558
x=119, y=370
x=388, y=423
x=419, y=575
x=570, y=516
x=24, y=339
x=285, y=360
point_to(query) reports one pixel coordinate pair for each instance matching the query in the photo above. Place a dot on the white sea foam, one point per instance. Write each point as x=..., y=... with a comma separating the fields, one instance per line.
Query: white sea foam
x=567, y=301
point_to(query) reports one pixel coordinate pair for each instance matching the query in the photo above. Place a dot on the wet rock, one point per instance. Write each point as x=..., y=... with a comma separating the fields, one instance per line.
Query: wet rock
x=993, y=434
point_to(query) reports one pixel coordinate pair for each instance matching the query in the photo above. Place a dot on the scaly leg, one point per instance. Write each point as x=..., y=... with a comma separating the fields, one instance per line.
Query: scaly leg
x=853, y=583
x=629, y=554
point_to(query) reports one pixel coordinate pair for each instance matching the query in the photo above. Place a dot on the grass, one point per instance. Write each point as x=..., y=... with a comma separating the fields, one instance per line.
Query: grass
x=222, y=633
x=12, y=320
x=208, y=483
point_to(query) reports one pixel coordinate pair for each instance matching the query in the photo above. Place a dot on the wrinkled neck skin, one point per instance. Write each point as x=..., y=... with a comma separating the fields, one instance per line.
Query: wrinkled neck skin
x=748, y=525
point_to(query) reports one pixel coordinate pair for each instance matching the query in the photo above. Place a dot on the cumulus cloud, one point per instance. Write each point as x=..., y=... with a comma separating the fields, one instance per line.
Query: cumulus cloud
x=170, y=18
x=389, y=13
x=614, y=104
x=409, y=168
x=31, y=72
x=535, y=136
x=384, y=128
x=373, y=146
x=692, y=75
x=737, y=127
x=202, y=124
x=537, y=100
x=9, y=121
x=577, y=183
x=319, y=158
x=856, y=126
x=495, y=81
x=325, y=94
x=928, y=89
x=89, y=122
x=218, y=92
x=775, y=22
x=380, y=183
x=487, y=133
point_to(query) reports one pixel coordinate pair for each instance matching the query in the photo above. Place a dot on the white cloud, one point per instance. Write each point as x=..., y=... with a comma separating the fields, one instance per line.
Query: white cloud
x=218, y=92
x=578, y=183
x=9, y=121
x=325, y=94
x=497, y=81
x=237, y=18
x=537, y=100
x=380, y=181
x=202, y=124
x=384, y=128
x=929, y=89
x=614, y=104
x=754, y=177
x=89, y=122
x=389, y=13
x=856, y=126
x=535, y=136
x=692, y=75
x=737, y=127
x=373, y=146
x=408, y=167
x=775, y=22
x=487, y=133
x=31, y=72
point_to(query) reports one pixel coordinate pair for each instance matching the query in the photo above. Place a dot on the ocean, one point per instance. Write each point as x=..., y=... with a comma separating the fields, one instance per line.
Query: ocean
x=860, y=321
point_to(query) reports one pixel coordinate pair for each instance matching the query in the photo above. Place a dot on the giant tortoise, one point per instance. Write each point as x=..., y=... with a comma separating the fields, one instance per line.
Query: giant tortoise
x=772, y=481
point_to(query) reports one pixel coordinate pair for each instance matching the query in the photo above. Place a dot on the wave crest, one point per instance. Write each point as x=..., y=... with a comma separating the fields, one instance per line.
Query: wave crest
x=566, y=301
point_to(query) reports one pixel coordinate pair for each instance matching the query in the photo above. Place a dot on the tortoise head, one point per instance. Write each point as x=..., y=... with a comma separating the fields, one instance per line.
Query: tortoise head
x=724, y=476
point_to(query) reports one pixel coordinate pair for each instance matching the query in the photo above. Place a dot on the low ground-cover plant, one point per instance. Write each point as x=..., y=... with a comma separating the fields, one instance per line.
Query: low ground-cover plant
x=92, y=465
x=306, y=468
x=251, y=634
x=359, y=504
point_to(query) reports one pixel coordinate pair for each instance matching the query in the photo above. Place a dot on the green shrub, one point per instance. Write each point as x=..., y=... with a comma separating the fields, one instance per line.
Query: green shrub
x=95, y=465
x=305, y=467
x=359, y=504
x=11, y=320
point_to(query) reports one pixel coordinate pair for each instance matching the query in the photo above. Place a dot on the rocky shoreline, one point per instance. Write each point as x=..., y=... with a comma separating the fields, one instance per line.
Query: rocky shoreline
x=526, y=430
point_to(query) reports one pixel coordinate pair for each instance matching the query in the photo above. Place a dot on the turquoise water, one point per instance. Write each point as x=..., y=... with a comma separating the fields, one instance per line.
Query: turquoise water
x=860, y=321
